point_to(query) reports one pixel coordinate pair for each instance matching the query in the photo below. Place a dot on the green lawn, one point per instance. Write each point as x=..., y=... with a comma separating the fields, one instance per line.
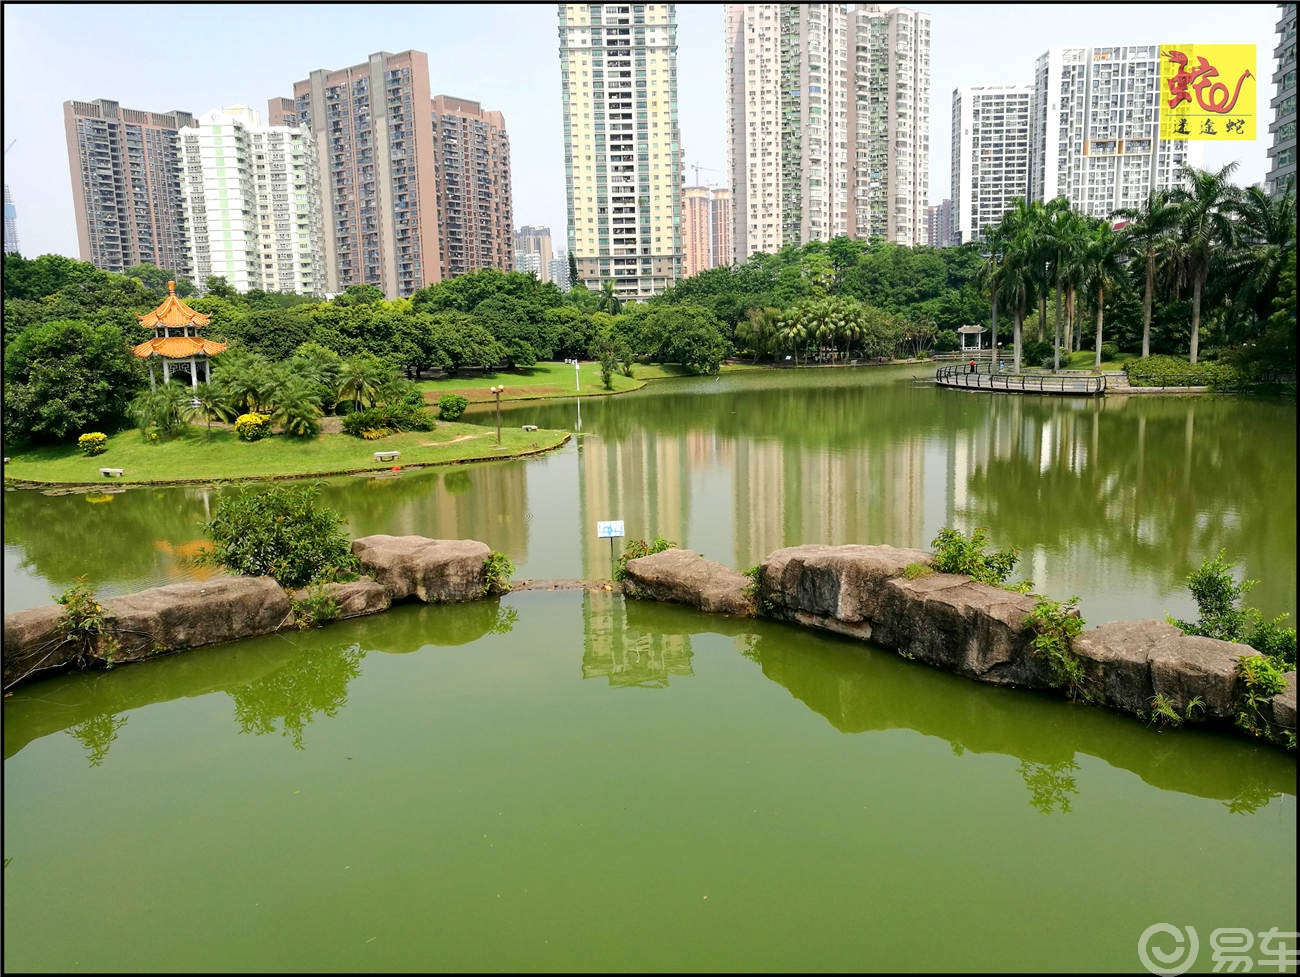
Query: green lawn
x=547, y=380
x=193, y=456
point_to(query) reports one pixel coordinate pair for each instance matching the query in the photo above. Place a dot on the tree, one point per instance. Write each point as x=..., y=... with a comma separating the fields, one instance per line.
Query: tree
x=608, y=299
x=155, y=279
x=1146, y=237
x=1267, y=237
x=1205, y=220
x=246, y=379
x=297, y=406
x=690, y=335
x=573, y=270
x=360, y=379
x=1099, y=258
x=63, y=378
x=218, y=287
x=208, y=401
x=359, y=294
x=161, y=409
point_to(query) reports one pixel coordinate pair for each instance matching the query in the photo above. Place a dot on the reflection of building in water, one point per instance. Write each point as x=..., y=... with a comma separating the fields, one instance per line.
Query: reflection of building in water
x=787, y=496
x=627, y=656
x=641, y=479
x=472, y=502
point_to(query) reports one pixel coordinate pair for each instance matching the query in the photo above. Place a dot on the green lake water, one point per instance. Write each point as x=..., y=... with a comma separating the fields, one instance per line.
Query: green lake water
x=565, y=781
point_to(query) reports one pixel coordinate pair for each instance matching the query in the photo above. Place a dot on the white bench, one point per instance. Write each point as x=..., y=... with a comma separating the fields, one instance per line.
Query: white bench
x=111, y=472
x=530, y=427
x=386, y=455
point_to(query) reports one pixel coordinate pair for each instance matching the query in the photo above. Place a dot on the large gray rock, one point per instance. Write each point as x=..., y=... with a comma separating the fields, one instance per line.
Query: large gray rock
x=355, y=598
x=1129, y=663
x=1282, y=710
x=839, y=582
x=194, y=613
x=685, y=577
x=33, y=641
x=433, y=570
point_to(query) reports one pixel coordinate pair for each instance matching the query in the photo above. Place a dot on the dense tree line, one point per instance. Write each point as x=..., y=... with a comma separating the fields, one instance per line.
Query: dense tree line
x=1201, y=272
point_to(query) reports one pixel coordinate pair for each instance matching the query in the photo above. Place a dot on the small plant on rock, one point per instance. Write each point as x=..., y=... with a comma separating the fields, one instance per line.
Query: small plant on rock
x=954, y=553
x=914, y=571
x=83, y=623
x=314, y=608
x=496, y=574
x=1260, y=679
x=1056, y=624
x=637, y=548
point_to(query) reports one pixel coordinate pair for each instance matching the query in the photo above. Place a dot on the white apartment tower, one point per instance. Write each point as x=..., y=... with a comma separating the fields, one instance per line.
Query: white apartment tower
x=1095, y=129
x=622, y=144
x=990, y=155
x=252, y=203
x=828, y=116
x=889, y=123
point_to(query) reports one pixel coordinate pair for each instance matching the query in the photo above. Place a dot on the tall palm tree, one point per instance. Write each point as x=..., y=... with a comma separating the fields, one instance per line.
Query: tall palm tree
x=609, y=301
x=1147, y=237
x=990, y=278
x=1019, y=232
x=360, y=378
x=1206, y=206
x=1061, y=236
x=297, y=406
x=209, y=401
x=1267, y=233
x=1101, y=260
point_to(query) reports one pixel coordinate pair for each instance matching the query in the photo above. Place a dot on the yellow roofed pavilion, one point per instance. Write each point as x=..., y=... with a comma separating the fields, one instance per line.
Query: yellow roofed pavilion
x=176, y=339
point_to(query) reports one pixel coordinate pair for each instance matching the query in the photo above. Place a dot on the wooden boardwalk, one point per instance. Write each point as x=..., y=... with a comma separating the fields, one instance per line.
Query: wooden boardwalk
x=960, y=377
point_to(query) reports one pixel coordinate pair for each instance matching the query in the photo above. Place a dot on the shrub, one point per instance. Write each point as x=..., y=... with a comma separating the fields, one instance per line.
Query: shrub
x=280, y=532
x=637, y=548
x=451, y=406
x=93, y=443
x=496, y=574
x=314, y=608
x=1056, y=624
x=954, y=553
x=1109, y=351
x=1260, y=679
x=253, y=426
x=1218, y=599
x=1171, y=371
x=378, y=422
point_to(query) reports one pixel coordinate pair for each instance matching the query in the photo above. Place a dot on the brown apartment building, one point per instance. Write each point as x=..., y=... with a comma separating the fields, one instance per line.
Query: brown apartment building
x=472, y=168
x=126, y=185
x=375, y=149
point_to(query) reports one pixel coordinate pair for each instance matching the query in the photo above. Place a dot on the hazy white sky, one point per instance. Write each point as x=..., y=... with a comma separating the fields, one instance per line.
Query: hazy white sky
x=159, y=57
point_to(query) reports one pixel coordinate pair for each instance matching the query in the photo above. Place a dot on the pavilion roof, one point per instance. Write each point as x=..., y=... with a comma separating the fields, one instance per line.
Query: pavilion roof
x=173, y=312
x=178, y=347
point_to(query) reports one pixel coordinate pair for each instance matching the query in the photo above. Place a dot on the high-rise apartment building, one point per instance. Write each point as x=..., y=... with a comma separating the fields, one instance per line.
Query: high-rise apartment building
x=536, y=240
x=990, y=155
x=622, y=145
x=695, y=230
x=375, y=152
x=1281, y=152
x=11, y=223
x=529, y=261
x=252, y=203
x=557, y=271
x=828, y=118
x=889, y=123
x=472, y=163
x=126, y=185
x=1095, y=129
x=720, y=233
x=939, y=231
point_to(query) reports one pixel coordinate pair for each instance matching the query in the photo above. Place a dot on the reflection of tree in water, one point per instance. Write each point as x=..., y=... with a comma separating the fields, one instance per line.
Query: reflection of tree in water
x=1050, y=784
x=1251, y=797
x=623, y=654
x=506, y=619
x=316, y=682
x=457, y=482
x=97, y=735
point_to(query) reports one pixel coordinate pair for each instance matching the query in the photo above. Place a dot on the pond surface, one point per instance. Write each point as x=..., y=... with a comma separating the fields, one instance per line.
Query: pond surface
x=566, y=781
x=1114, y=499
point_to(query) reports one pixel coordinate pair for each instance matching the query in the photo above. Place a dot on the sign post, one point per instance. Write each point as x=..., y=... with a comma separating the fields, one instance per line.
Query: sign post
x=612, y=529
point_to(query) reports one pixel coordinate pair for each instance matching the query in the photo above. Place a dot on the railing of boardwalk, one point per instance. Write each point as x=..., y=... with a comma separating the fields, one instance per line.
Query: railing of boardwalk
x=960, y=376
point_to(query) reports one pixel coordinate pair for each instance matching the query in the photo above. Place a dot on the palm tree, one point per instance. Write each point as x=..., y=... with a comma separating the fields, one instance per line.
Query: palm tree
x=209, y=401
x=1022, y=265
x=246, y=378
x=160, y=409
x=1061, y=244
x=360, y=379
x=990, y=277
x=1205, y=219
x=1267, y=230
x=1102, y=264
x=609, y=301
x=297, y=406
x=1147, y=237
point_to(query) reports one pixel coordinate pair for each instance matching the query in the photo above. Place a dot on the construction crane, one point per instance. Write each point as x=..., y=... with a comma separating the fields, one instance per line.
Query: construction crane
x=697, y=167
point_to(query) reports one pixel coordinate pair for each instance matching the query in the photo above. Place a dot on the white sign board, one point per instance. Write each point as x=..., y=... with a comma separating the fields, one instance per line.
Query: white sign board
x=609, y=529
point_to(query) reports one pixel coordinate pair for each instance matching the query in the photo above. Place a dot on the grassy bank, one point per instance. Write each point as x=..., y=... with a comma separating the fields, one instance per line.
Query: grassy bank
x=550, y=380
x=194, y=456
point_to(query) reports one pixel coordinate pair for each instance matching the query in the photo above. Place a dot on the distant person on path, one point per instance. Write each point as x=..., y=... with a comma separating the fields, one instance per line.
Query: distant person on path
x=972, y=367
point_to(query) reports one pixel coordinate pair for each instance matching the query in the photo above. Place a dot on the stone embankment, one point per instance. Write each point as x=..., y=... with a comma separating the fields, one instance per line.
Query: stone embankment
x=864, y=592
x=188, y=615
x=973, y=629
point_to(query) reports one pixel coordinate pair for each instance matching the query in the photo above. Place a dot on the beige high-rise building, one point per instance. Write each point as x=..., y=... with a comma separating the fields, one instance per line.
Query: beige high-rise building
x=622, y=146
x=990, y=156
x=720, y=228
x=475, y=215
x=375, y=151
x=695, y=231
x=828, y=117
x=126, y=185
